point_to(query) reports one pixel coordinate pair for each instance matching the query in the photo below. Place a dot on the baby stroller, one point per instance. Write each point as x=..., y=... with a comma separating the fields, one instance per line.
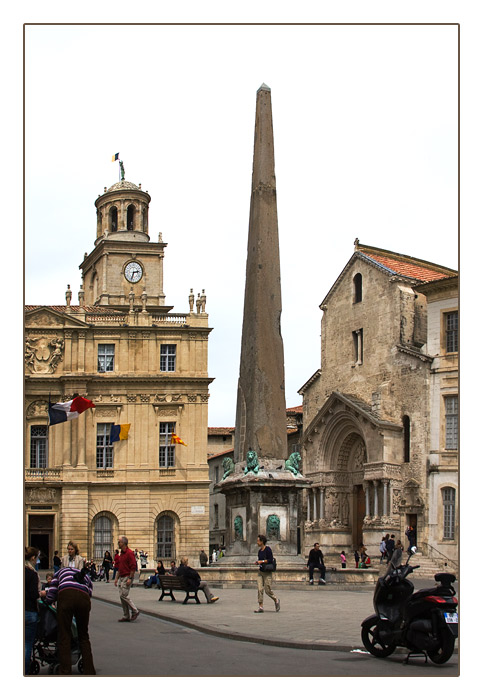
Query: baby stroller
x=45, y=645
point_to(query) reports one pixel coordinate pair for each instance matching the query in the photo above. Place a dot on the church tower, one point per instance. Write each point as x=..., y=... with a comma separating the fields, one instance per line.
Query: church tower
x=125, y=269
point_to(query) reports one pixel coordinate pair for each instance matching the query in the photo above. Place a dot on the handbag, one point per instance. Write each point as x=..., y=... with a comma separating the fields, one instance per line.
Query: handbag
x=270, y=567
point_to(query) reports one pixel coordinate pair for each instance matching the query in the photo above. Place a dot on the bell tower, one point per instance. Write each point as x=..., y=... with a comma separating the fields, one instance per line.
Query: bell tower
x=125, y=269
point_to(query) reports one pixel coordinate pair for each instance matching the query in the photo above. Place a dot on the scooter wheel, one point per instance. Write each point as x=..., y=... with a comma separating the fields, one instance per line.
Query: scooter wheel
x=444, y=650
x=372, y=642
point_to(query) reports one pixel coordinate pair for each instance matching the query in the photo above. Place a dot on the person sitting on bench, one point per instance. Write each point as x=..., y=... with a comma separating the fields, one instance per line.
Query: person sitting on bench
x=154, y=580
x=193, y=581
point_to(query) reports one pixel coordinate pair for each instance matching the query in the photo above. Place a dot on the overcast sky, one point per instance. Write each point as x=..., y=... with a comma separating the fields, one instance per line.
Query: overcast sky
x=366, y=146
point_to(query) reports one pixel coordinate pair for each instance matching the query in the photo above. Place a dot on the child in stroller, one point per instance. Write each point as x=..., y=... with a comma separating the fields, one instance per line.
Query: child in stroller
x=45, y=645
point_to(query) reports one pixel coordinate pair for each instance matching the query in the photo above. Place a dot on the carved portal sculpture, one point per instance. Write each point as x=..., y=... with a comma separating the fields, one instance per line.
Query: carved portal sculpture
x=293, y=463
x=252, y=462
x=238, y=525
x=273, y=527
x=228, y=467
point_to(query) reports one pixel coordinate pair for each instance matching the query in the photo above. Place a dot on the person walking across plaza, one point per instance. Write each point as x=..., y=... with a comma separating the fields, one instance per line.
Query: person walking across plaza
x=107, y=564
x=316, y=561
x=390, y=544
x=32, y=594
x=57, y=561
x=203, y=558
x=124, y=580
x=264, y=578
x=72, y=589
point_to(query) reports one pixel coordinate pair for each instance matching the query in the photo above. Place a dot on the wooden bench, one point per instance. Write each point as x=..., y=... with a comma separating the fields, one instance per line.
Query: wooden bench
x=176, y=583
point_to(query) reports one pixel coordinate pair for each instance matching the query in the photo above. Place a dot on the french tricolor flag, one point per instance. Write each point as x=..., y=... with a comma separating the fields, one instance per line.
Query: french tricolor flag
x=60, y=412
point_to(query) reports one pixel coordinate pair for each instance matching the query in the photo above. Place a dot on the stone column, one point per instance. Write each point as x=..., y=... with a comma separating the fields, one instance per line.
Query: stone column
x=314, y=496
x=81, y=437
x=366, y=487
x=308, y=505
x=322, y=502
x=104, y=273
x=385, y=494
x=376, y=499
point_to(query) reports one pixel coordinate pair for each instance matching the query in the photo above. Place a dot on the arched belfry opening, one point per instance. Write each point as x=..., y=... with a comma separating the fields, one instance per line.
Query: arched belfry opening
x=131, y=215
x=113, y=218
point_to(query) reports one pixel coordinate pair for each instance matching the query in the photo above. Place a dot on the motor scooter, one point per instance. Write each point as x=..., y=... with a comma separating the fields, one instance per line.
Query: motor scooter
x=425, y=622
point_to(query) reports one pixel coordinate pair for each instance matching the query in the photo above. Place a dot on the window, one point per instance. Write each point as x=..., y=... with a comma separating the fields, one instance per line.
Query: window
x=407, y=438
x=103, y=449
x=38, y=447
x=449, y=507
x=216, y=525
x=168, y=358
x=357, y=339
x=166, y=545
x=357, y=282
x=451, y=410
x=166, y=449
x=102, y=537
x=105, y=358
x=451, y=331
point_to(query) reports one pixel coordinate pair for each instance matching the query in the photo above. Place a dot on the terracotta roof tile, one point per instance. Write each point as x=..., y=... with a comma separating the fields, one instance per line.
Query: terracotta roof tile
x=408, y=268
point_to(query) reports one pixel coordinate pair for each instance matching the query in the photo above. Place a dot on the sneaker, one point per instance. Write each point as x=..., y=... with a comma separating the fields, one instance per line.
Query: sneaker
x=123, y=619
x=311, y=581
x=260, y=610
x=322, y=582
x=135, y=616
x=277, y=606
x=214, y=599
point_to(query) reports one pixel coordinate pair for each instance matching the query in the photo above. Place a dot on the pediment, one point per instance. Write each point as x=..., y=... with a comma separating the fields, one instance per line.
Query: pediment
x=346, y=272
x=338, y=402
x=46, y=317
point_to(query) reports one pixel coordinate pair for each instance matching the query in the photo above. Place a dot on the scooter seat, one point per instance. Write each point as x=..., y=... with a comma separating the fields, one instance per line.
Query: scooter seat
x=445, y=578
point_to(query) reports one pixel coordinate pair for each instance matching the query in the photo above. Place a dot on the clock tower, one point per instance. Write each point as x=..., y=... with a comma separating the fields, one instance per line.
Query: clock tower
x=125, y=269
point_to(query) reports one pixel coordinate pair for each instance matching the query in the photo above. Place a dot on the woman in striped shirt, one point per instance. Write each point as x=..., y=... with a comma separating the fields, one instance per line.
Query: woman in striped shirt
x=72, y=588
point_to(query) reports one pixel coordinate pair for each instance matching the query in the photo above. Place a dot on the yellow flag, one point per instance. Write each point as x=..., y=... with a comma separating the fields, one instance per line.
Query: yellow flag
x=175, y=440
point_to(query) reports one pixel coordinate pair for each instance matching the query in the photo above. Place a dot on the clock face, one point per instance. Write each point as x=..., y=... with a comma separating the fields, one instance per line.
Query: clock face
x=133, y=272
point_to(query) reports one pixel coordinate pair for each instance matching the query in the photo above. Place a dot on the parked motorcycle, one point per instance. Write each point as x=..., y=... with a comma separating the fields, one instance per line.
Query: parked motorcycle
x=425, y=622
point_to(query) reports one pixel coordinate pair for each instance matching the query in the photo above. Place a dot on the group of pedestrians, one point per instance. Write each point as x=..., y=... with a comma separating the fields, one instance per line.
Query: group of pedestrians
x=70, y=588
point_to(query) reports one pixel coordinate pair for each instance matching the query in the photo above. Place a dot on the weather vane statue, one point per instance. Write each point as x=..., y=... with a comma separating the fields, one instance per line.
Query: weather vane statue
x=121, y=166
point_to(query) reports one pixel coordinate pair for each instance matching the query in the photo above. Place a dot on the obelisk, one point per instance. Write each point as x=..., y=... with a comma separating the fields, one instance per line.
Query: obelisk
x=261, y=413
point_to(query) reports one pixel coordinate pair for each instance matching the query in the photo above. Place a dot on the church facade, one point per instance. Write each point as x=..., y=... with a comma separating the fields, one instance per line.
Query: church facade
x=368, y=409
x=143, y=366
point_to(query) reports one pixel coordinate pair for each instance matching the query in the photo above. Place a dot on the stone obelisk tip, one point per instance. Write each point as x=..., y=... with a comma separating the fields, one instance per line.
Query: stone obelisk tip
x=264, y=87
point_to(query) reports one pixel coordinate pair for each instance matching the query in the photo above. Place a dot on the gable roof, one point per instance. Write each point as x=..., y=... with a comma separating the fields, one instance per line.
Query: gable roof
x=393, y=264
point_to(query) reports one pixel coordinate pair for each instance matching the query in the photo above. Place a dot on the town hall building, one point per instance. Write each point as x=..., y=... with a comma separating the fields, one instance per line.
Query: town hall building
x=142, y=365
